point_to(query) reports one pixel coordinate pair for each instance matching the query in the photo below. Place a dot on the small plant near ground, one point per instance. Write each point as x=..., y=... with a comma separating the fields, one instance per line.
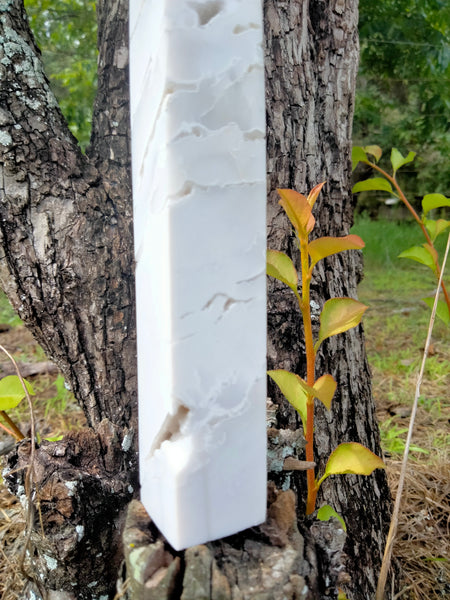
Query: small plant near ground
x=393, y=439
x=13, y=390
x=337, y=315
x=431, y=228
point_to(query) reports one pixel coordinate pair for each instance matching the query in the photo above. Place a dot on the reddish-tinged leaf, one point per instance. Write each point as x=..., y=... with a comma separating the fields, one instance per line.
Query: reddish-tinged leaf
x=291, y=386
x=280, y=266
x=339, y=315
x=312, y=196
x=325, y=246
x=298, y=211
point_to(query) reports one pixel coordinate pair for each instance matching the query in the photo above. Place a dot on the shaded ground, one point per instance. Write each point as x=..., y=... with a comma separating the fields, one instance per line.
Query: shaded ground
x=395, y=332
x=396, y=328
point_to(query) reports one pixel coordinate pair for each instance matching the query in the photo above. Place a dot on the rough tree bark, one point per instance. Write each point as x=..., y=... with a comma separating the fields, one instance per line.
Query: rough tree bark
x=67, y=266
x=311, y=64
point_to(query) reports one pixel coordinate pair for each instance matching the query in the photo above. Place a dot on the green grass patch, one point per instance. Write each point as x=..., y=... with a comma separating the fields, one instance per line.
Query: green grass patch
x=7, y=314
x=386, y=239
x=396, y=327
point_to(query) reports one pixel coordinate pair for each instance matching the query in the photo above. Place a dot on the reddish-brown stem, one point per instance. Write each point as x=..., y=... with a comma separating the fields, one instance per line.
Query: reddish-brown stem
x=419, y=221
x=15, y=431
x=310, y=373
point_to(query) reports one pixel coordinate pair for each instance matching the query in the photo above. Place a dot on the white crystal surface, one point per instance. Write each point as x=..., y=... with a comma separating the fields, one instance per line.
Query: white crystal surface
x=199, y=194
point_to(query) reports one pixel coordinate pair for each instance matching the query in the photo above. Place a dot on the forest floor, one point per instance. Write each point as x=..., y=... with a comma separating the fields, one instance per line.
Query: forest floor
x=395, y=328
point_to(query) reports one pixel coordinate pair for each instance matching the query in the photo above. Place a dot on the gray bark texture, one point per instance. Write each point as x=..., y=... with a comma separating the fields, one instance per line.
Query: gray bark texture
x=66, y=264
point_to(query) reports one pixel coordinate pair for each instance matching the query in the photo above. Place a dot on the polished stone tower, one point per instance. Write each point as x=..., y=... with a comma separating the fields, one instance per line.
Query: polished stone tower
x=199, y=181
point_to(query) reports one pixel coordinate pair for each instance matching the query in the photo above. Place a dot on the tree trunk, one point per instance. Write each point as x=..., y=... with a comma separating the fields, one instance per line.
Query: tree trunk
x=67, y=266
x=311, y=65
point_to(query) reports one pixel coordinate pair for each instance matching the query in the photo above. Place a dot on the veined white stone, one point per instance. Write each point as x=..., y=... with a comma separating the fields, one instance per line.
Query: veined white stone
x=199, y=194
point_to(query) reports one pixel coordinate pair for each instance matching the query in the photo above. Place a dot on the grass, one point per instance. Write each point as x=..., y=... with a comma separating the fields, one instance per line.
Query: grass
x=7, y=314
x=396, y=327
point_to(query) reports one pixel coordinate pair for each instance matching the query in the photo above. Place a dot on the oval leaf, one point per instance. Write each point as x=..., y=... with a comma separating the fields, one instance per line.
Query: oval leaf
x=374, y=184
x=431, y=201
x=441, y=310
x=325, y=246
x=421, y=254
x=353, y=458
x=324, y=389
x=375, y=151
x=339, y=315
x=398, y=160
x=12, y=392
x=298, y=210
x=280, y=266
x=327, y=512
x=292, y=389
x=435, y=228
x=358, y=155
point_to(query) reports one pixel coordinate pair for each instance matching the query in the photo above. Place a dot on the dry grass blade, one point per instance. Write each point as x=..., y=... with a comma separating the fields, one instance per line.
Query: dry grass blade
x=29, y=473
x=422, y=545
x=395, y=515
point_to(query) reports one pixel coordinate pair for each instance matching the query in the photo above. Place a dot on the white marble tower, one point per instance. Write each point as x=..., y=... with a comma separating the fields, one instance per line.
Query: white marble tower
x=199, y=192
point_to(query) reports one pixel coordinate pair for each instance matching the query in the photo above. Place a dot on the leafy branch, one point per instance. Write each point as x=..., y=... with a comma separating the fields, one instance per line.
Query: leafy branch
x=338, y=315
x=431, y=229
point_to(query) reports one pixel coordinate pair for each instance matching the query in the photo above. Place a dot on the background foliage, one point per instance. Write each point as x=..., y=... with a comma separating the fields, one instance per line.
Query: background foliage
x=403, y=93
x=66, y=32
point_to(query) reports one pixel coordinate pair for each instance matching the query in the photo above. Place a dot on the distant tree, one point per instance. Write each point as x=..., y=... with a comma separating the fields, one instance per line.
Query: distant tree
x=403, y=89
x=66, y=32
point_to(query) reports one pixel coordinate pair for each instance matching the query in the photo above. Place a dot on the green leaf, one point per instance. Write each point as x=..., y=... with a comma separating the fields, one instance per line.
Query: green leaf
x=280, y=266
x=325, y=246
x=55, y=438
x=398, y=160
x=292, y=388
x=431, y=201
x=421, y=254
x=339, y=315
x=298, y=210
x=441, y=310
x=435, y=228
x=324, y=389
x=358, y=155
x=352, y=458
x=327, y=512
x=12, y=392
x=374, y=184
x=375, y=151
